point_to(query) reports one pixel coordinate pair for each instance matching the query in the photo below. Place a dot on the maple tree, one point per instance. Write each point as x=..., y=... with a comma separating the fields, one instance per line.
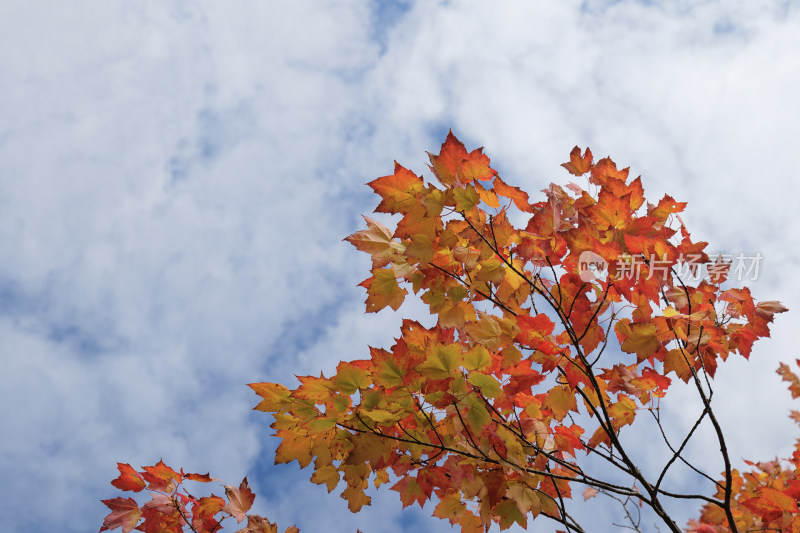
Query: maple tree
x=518, y=395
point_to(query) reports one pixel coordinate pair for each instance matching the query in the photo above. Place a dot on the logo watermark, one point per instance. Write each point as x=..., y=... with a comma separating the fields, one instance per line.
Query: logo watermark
x=741, y=267
x=592, y=266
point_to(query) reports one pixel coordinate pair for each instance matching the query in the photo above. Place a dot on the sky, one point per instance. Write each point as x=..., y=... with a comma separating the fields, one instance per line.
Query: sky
x=176, y=179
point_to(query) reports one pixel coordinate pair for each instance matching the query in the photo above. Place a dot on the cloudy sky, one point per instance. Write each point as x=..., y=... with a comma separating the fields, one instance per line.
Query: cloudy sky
x=176, y=179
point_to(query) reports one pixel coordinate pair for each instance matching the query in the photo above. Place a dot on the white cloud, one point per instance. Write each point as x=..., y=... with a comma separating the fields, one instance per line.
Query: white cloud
x=175, y=181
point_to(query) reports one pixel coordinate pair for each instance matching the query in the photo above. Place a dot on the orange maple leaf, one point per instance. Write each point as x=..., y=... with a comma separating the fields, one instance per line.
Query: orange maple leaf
x=515, y=194
x=641, y=339
x=579, y=165
x=382, y=290
x=129, y=479
x=454, y=166
x=398, y=191
x=160, y=477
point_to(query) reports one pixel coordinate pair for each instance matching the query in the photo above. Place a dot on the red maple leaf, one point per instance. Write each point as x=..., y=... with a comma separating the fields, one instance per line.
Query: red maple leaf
x=124, y=513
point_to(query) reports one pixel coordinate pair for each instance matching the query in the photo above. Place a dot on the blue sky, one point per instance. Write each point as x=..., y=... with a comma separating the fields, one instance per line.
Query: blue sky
x=176, y=179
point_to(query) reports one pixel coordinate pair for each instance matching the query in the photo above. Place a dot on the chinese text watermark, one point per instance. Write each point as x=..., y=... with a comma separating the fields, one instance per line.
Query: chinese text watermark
x=742, y=266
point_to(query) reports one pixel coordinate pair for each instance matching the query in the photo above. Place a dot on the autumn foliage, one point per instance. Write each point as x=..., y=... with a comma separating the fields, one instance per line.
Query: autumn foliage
x=559, y=323
x=172, y=508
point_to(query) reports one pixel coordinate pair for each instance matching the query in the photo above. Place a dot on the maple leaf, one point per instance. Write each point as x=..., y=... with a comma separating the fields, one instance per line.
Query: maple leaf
x=510, y=514
x=129, y=479
x=488, y=385
x=568, y=439
x=666, y=206
x=388, y=372
x=771, y=504
x=487, y=330
x=204, y=511
x=293, y=447
x=466, y=198
x=410, y=491
x=454, y=166
x=258, y=524
x=328, y=475
x=477, y=359
x=600, y=436
x=790, y=377
x=398, y=191
x=124, y=513
x=487, y=196
x=377, y=241
x=769, y=308
x=579, y=165
x=200, y=478
x=158, y=520
x=239, y=500
x=605, y=171
x=659, y=382
x=311, y=388
x=160, y=477
x=533, y=330
x=350, y=377
x=641, y=339
x=515, y=194
x=442, y=361
x=421, y=247
x=477, y=414
x=356, y=498
x=589, y=492
x=450, y=506
x=383, y=290
x=274, y=396
x=623, y=412
x=611, y=211
x=560, y=400
x=492, y=270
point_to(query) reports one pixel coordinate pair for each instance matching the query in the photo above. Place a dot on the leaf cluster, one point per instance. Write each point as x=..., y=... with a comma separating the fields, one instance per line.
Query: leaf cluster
x=492, y=410
x=172, y=509
x=533, y=371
